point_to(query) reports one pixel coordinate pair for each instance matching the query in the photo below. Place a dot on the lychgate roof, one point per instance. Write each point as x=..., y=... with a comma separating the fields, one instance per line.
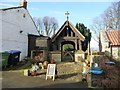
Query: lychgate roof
x=67, y=23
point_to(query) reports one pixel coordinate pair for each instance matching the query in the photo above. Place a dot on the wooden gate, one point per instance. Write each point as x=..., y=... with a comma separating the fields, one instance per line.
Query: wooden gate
x=68, y=56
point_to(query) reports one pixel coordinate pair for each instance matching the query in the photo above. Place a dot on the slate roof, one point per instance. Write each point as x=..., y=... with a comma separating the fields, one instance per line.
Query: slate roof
x=113, y=36
x=11, y=8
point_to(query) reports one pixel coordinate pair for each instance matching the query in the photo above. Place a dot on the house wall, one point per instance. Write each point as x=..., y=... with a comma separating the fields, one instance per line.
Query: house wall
x=56, y=55
x=115, y=51
x=0, y=31
x=105, y=45
x=13, y=21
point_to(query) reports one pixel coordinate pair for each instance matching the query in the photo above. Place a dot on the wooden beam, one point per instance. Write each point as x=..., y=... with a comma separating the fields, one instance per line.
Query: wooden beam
x=80, y=45
x=75, y=44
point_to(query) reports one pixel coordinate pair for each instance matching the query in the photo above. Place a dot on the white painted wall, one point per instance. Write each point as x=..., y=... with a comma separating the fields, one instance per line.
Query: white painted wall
x=0, y=31
x=12, y=23
x=104, y=41
x=115, y=52
x=105, y=45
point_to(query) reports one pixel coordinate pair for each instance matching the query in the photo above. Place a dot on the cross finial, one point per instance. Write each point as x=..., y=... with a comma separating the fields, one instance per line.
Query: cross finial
x=67, y=13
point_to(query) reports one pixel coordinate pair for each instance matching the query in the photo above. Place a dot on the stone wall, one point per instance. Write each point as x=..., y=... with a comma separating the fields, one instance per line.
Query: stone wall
x=79, y=56
x=56, y=55
x=70, y=71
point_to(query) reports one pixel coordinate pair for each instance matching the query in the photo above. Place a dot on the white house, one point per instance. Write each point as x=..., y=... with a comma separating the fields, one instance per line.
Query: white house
x=16, y=25
x=110, y=41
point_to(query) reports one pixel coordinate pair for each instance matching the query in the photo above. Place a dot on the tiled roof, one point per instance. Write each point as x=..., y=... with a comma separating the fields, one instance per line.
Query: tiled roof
x=114, y=36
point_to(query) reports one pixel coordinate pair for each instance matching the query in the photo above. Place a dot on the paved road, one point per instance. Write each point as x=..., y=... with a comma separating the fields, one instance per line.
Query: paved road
x=13, y=79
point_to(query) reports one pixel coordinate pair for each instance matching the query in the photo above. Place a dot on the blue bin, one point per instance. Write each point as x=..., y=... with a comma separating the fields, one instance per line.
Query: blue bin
x=110, y=63
x=13, y=57
x=96, y=71
x=13, y=51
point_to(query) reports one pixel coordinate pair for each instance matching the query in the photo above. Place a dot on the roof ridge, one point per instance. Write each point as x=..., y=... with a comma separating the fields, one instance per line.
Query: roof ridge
x=67, y=22
x=11, y=8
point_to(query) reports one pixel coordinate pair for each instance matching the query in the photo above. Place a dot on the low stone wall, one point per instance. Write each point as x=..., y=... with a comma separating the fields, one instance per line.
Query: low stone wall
x=79, y=57
x=56, y=55
x=70, y=71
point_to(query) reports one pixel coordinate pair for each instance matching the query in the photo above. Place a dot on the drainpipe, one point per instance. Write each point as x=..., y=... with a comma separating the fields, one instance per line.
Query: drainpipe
x=110, y=45
x=111, y=51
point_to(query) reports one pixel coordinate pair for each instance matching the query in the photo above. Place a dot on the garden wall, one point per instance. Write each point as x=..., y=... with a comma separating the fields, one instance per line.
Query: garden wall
x=56, y=55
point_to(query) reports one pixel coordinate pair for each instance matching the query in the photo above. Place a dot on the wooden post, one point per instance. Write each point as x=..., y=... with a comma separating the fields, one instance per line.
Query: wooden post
x=75, y=44
x=88, y=49
x=67, y=31
x=80, y=45
x=71, y=34
x=91, y=59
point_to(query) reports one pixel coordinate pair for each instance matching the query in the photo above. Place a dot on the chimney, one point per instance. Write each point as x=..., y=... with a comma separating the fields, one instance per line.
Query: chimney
x=23, y=3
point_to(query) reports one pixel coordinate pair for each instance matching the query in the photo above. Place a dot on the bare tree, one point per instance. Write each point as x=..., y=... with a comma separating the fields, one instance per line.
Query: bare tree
x=108, y=20
x=38, y=23
x=96, y=27
x=54, y=24
x=110, y=16
x=50, y=25
x=46, y=25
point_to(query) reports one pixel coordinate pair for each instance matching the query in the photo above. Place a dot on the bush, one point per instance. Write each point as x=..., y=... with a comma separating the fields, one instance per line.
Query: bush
x=119, y=53
x=111, y=76
x=96, y=59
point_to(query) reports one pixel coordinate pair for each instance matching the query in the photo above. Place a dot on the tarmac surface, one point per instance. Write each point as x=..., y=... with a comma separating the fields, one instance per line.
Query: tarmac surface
x=15, y=79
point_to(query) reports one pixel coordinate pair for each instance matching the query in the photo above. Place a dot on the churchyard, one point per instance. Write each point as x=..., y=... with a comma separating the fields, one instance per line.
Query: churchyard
x=62, y=60
x=67, y=72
